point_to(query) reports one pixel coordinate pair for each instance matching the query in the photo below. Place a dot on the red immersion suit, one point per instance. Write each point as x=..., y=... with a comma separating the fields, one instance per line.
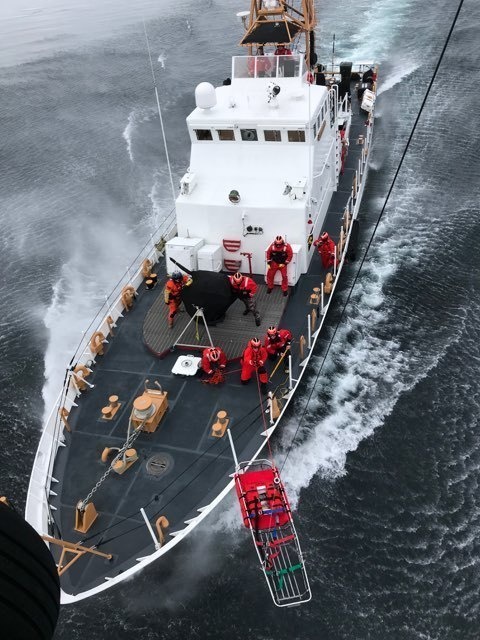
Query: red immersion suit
x=254, y=360
x=278, y=257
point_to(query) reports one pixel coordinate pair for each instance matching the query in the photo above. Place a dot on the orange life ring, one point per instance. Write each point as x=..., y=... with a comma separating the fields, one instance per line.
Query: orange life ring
x=96, y=343
x=128, y=296
x=146, y=268
x=81, y=372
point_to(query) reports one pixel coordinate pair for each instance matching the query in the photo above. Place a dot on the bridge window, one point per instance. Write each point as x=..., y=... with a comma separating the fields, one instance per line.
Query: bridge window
x=226, y=134
x=296, y=136
x=271, y=135
x=204, y=134
x=249, y=135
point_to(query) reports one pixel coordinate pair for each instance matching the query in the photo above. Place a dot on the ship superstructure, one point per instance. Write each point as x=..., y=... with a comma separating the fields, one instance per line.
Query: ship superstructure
x=272, y=140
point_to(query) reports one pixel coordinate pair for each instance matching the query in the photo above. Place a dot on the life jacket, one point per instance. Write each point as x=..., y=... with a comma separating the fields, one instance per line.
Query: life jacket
x=247, y=286
x=280, y=254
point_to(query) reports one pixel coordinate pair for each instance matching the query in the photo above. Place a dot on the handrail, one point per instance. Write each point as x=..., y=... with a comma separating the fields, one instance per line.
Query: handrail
x=163, y=231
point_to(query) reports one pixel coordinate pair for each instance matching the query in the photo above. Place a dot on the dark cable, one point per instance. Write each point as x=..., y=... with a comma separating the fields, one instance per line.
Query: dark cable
x=112, y=526
x=300, y=422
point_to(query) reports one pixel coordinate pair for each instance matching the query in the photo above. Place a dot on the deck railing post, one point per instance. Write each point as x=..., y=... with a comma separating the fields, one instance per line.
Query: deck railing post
x=149, y=527
x=309, y=321
x=290, y=378
x=335, y=262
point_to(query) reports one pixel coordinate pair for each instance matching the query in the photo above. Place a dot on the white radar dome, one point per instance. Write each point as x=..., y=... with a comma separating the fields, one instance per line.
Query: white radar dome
x=205, y=96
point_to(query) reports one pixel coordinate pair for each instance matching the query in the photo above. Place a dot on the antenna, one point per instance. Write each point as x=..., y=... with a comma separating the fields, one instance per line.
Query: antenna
x=159, y=112
x=333, y=51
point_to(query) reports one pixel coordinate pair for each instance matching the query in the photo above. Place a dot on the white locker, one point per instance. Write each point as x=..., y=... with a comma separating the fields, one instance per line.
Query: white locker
x=184, y=251
x=210, y=258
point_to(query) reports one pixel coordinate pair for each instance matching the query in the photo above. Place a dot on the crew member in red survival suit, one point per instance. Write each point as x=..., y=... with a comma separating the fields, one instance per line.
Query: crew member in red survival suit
x=173, y=293
x=326, y=249
x=276, y=341
x=283, y=50
x=213, y=358
x=253, y=359
x=261, y=62
x=279, y=255
x=245, y=288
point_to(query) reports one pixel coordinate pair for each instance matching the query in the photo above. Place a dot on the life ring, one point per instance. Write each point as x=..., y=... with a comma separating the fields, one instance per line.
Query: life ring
x=128, y=296
x=146, y=268
x=96, y=343
x=81, y=372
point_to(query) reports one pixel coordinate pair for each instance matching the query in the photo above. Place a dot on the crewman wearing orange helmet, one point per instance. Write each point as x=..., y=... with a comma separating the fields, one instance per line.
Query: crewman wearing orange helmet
x=276, y=341
x=279, y=255
x=326, y=250
x=253, y=359
x=245, y=288
x=213, y=358
x=173, y=293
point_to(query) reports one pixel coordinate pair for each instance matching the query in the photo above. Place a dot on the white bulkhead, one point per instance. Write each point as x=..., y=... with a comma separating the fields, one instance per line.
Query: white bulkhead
x=275, y=150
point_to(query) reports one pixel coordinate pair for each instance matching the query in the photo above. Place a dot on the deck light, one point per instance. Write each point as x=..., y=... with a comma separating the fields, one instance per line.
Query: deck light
x=234, y=196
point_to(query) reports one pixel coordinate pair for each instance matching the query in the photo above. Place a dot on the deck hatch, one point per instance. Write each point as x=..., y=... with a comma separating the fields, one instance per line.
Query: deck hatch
x=159, y=464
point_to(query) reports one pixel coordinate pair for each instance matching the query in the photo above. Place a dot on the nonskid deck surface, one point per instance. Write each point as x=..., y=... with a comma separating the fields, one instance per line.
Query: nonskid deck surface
x=197, y=464
x=232, y=334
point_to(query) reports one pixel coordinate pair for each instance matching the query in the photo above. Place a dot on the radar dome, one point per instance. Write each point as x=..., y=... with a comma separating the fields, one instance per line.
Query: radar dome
x=205, y=97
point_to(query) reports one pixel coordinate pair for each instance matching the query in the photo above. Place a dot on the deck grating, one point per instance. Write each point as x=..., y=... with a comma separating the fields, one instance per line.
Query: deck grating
x=232, y=335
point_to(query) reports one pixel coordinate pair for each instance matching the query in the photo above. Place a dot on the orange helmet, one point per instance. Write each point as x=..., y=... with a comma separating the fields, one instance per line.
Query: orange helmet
x=279, y=241
x=324, y=236
x=272, y=331
x=255, y=343
x=214, y=354
x=237, y=278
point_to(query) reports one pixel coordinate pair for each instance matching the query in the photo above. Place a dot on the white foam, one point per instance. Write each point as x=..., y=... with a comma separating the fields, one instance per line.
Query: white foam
x=367, y=369
x=127, y=134
x=396, y=76
x=80, y=291
x=377, y=30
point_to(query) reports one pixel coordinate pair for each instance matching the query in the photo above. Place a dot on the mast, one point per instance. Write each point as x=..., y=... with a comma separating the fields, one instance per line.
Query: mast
x=274, y=22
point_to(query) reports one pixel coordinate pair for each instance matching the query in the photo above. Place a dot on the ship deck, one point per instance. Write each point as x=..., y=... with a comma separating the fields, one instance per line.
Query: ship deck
x=195, y=465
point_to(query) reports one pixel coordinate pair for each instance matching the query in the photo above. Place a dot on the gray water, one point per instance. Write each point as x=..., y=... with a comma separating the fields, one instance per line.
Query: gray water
x=385, y=465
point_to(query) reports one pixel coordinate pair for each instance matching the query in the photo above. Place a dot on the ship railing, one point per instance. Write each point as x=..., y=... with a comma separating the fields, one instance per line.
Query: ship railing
x=350, y=210
x=357, y=67
x=343, y=107
x=38, y=510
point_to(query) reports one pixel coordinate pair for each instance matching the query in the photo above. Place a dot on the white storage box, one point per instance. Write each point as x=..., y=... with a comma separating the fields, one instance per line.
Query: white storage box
x=184, y=251
x=210, y=258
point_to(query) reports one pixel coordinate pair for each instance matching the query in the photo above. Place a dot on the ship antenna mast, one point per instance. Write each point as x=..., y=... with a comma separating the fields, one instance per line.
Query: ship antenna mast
x=274, y=22
x=159, y=112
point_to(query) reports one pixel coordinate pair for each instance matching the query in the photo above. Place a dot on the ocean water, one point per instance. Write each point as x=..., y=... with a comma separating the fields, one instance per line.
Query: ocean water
x=384, y=469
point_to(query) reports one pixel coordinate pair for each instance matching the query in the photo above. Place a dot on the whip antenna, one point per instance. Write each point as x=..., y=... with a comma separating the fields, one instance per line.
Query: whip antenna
x=333, y=51
x=159, y=112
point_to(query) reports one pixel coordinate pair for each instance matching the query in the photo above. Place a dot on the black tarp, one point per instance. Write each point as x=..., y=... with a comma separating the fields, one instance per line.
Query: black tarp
x=210, y=291
x=271, y=32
